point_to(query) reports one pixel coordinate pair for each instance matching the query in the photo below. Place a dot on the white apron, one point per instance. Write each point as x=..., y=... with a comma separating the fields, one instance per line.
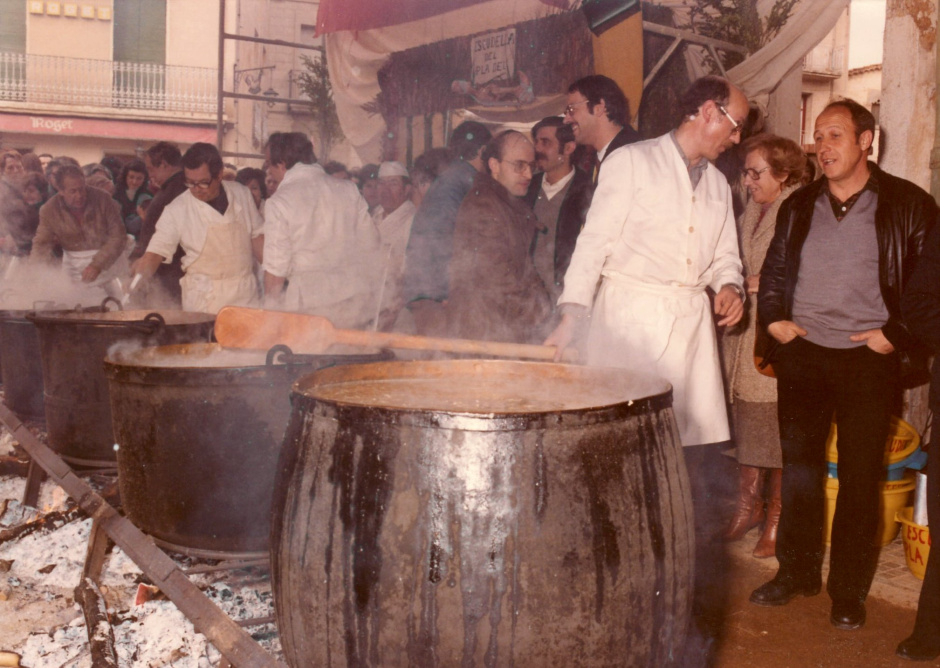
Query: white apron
x=667, y=332
x=222, y=274
x=75, y=262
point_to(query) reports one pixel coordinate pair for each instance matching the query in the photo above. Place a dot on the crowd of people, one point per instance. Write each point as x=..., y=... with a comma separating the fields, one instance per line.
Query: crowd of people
x=638, y=260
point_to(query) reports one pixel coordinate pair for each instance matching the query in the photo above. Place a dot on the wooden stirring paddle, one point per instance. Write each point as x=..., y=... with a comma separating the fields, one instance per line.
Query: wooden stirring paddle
x=258, y=329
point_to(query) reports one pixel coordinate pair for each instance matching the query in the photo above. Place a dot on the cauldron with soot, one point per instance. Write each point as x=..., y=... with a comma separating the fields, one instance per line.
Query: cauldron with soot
x=199, y=430
x=482, y=513
x=73, y=345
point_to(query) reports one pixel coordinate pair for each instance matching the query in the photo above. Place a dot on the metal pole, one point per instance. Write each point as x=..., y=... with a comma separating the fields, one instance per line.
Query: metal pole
x=220, y=103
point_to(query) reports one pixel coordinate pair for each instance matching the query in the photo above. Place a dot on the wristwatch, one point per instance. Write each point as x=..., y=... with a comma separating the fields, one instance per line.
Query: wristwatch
x=737, y=288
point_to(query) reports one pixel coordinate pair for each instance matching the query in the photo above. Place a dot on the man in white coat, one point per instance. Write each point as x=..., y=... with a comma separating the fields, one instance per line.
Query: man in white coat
x=322, y=252
x=659, y=232
x=220, y=231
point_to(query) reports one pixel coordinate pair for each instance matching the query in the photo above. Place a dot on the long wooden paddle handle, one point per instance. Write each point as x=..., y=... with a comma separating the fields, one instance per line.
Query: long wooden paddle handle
x=355, y=337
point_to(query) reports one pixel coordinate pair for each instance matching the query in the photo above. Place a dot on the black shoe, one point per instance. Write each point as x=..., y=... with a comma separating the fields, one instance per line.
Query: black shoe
x=847, y=615
x=918, y=649
x=781, y=591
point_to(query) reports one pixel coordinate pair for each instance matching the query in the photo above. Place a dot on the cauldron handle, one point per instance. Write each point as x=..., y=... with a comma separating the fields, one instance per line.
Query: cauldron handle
x=104, y=304
x=280, y=349
x=150, y=325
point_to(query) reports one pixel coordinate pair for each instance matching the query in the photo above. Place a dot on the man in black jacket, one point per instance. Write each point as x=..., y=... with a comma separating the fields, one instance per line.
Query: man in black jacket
x=560, y=195
x=599, y=114
x=829, y=294
x=920, y=307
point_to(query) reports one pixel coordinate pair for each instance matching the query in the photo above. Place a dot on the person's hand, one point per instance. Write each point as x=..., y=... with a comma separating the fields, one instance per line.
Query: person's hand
x=91, y=273
x=728, y=303
x=874, y=339
x=751, y=283
x=785, y=331
x=562, y=336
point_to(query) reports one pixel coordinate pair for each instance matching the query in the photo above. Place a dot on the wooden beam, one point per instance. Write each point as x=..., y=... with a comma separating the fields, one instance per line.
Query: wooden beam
x=235, y=644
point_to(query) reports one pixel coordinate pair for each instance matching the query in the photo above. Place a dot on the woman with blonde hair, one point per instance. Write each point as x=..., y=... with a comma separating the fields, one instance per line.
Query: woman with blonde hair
x=774, y=167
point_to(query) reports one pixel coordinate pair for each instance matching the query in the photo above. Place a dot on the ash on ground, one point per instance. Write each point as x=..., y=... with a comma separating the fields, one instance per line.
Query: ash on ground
x=40, y=620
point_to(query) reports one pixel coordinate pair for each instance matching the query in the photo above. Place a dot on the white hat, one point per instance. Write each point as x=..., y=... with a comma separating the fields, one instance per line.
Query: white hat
x=392, y=168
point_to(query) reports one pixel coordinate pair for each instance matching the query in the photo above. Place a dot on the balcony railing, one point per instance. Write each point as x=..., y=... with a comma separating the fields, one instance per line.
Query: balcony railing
x=105, y=83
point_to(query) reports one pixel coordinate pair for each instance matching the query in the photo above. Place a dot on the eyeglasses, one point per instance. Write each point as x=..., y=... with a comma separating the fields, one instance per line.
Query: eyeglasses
x=569, y=110
x=520, y=165
x=754, y=174
x=735, y=126
x=201, y=185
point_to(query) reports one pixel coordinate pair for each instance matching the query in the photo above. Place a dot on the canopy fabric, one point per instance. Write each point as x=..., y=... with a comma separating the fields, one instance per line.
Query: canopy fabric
x=355, y=58
x=336, y=15
x=760, y=74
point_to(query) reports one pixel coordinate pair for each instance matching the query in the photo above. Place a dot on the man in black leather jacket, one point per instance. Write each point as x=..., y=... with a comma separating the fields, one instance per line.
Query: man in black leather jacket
x=840, y=343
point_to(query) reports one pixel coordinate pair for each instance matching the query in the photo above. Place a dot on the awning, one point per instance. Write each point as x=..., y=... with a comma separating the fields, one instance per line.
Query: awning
x=354, y=15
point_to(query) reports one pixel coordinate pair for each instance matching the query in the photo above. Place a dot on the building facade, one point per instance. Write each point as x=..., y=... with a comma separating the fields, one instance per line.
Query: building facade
x=107, y=77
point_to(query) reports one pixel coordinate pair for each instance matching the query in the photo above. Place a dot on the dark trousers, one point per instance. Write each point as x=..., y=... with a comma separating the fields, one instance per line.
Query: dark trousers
x=858, y=385
x=927, y=626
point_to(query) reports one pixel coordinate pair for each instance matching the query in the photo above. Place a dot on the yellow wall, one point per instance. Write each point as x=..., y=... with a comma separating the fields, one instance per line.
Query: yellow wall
x=50, y=35
x=618, y=54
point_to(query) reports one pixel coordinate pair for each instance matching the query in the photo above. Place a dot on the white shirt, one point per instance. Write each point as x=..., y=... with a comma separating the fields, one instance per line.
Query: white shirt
x=186, y=220
x=552, y=189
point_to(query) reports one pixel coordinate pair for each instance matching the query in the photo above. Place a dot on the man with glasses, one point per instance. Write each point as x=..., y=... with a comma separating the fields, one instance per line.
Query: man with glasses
x=218, y=226
x=599, y=115
x=659, y=235
x=495, y=291
x=830, y=295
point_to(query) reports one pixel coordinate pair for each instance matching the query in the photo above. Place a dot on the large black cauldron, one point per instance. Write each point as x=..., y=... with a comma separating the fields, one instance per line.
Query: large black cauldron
x=199, y=430
x=73, y=345
x=482, y=513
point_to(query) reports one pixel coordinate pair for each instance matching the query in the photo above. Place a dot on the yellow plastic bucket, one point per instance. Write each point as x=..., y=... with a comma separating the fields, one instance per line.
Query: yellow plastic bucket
x=903, y=439
x=895, y=495
x=916, y=542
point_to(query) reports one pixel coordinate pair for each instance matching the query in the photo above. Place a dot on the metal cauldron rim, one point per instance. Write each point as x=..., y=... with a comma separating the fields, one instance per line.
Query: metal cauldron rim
x=97, y=316
x=141, y=365
x=656, y=396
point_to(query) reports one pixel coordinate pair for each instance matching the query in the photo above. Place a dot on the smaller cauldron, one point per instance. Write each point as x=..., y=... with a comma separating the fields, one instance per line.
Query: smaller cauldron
x=199, y=431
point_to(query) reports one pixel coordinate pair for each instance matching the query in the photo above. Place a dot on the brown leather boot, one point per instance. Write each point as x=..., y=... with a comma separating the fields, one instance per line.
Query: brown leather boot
x=767, y=545
x=750, y=508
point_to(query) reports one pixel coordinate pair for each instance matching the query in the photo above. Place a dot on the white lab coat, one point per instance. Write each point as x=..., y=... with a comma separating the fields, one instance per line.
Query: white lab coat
x=655, y=245
x=218, y=263
x=320, y=237
x=394, y=229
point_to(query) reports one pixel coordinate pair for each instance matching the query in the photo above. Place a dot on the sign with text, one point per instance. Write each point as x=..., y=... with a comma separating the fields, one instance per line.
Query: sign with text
x=493, y=56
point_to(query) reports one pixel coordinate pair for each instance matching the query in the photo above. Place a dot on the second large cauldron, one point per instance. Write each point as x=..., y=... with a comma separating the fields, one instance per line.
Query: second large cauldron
x=73, y=346
x=199, y=430
x=482, y=513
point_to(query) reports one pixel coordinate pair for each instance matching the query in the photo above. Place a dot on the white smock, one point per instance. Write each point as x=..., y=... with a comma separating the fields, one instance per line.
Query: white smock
x=655, y=245
x=218, y=265
x=320, y=237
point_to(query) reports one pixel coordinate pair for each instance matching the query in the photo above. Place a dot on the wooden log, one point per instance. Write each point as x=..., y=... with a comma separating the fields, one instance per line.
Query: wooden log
x=97, y=624
x=235, y=644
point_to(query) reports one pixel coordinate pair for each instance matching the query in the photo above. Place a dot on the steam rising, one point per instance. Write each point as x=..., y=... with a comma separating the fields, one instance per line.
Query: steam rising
x=33, y=286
